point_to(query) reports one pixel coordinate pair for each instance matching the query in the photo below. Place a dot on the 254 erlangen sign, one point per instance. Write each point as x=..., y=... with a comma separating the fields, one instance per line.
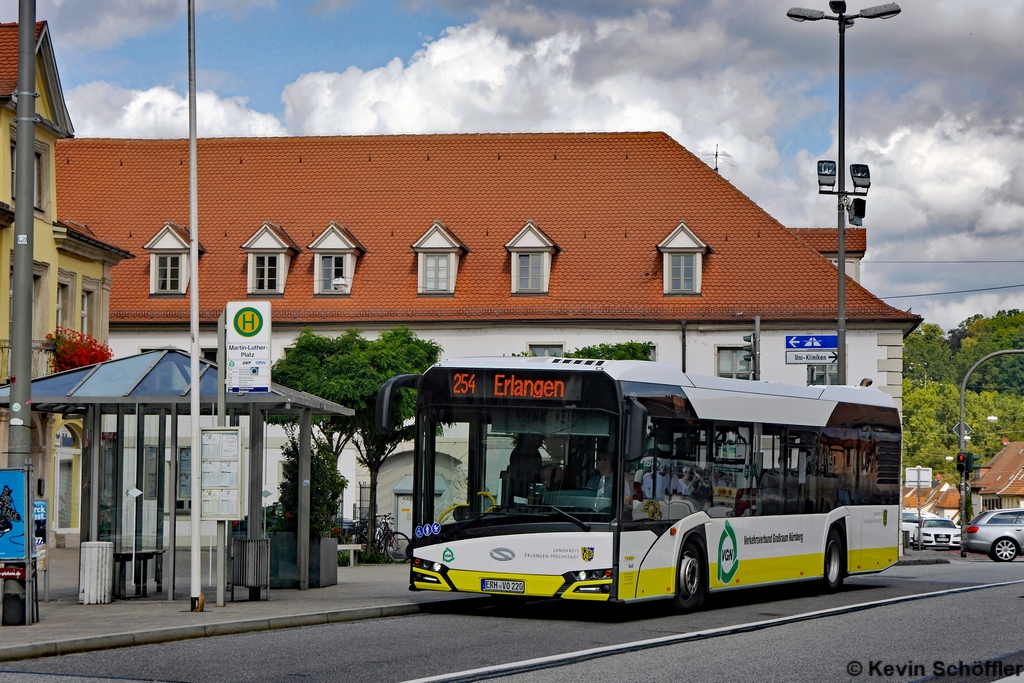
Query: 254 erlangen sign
x=248, y=346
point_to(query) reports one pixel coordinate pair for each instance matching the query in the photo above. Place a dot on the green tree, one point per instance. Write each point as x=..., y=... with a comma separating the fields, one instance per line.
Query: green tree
x=349, y=369
x=326, y=486
x=927, y=356
x=631, y=350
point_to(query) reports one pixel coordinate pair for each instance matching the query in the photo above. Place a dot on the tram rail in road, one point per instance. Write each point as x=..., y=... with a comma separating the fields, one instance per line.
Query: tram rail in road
x=568, y=658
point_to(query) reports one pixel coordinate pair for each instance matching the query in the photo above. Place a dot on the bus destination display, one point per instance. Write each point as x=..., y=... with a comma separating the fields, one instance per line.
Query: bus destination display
x=512, y=384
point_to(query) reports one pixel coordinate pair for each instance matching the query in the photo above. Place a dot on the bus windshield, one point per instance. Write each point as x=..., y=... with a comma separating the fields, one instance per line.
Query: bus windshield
x=518, y=465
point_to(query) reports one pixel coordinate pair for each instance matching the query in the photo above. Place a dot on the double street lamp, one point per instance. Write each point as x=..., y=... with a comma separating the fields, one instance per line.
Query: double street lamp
x=829, y=170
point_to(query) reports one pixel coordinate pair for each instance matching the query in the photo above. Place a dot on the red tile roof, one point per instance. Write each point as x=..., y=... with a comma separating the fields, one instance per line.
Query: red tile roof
x=826, y=240
x=9, y=56
x=607, y=200
x=1005, y=472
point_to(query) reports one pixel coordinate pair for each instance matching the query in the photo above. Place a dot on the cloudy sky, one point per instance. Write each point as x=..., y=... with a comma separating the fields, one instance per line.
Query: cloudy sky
x=935, y=99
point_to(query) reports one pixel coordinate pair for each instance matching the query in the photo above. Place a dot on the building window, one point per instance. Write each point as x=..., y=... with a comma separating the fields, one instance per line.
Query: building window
x=545, y=349
x=822, y=375
x=731, y=363
x=87, y=312
x=265, y=276
x=64, y=308
x=530, y=272
x=168, y=273
x=332, y=274
x=38, y=173
x=683, y=271
x=435, y=276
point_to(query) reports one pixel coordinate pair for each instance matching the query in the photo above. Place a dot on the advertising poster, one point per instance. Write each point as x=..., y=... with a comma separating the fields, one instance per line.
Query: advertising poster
x=13, y=515
x=39, y=517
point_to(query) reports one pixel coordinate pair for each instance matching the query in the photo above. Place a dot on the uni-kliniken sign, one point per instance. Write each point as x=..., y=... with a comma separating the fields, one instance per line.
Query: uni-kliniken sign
x=248, y=346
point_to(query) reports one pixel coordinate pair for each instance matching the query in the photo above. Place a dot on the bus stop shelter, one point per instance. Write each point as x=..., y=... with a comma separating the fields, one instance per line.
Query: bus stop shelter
x=135, y=414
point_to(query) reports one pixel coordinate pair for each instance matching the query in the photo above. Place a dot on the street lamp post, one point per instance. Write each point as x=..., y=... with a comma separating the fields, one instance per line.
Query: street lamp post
x=860, y=173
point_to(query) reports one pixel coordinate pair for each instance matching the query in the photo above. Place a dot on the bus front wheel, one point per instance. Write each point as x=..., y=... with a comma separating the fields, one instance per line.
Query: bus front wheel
x=833, y=579
x=691, y=577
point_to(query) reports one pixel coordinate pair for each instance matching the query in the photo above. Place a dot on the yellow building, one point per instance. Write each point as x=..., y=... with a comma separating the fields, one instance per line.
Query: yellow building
x=71, y=275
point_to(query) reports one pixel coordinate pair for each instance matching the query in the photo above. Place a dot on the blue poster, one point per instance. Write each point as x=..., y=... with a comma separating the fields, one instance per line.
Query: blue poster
x=13, y=515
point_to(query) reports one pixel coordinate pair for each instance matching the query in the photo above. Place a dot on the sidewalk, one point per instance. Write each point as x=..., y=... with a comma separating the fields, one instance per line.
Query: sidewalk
x=363, y=592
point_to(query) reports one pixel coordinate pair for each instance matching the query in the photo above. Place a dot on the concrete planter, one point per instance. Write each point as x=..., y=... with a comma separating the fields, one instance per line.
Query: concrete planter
x=323, y=561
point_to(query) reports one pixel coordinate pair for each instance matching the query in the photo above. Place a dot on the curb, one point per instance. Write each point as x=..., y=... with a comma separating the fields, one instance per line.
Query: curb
x=173, y=633
x=921, y=562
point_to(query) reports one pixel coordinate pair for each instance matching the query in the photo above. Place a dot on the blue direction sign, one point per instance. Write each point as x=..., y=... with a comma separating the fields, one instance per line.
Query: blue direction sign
x=811, y=342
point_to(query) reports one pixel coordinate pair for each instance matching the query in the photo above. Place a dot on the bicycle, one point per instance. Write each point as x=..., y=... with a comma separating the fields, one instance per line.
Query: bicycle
x=393, y=544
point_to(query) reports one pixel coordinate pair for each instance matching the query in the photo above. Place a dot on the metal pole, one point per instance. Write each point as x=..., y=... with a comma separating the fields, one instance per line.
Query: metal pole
x=962, y=442
x=20, y=432
x=757, y=348
x=194, y=314
x=919, y=525
x=305, y=455
x=841, y=208
x=30, y=548
x=222, y=525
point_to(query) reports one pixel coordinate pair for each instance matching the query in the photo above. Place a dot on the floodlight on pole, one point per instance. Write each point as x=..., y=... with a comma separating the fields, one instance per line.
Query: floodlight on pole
x=993, y=419
x=860, y=173
x=801, y=14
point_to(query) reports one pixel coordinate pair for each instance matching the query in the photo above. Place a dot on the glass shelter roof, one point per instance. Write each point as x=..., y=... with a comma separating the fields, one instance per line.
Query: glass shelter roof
x=154, y=377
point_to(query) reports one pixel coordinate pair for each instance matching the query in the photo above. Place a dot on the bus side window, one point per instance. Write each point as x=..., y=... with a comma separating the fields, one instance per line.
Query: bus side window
x=770, y=475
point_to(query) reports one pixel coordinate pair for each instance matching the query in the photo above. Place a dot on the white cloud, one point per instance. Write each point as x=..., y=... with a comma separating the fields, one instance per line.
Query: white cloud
x=100, y=109
x=98, y=24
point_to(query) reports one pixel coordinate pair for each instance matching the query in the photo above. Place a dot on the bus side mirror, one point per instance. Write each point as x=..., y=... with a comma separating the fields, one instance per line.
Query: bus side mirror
x=637, y=429
x=386, y=397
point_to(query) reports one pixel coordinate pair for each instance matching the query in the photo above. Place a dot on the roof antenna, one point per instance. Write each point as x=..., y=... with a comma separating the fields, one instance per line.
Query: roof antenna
x=724, y=157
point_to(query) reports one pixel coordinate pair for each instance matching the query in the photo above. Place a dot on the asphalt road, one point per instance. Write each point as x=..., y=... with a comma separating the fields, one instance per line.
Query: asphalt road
x=969, y=626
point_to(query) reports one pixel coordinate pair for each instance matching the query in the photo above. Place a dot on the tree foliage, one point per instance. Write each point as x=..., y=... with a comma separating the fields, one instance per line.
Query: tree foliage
x=631, y=350
x=935, y=363
x=326, y=486
x=349, y=369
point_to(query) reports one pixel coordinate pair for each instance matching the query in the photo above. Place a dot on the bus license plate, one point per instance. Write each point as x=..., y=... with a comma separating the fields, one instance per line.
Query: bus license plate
x=502, y=586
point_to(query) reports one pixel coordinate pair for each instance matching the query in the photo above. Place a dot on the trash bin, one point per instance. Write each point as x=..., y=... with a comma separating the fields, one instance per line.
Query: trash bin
x=14, y=602
x=96, y=578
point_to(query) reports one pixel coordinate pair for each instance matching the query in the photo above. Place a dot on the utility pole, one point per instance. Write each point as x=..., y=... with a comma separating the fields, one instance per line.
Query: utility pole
x=19, y=440
x=193, y=263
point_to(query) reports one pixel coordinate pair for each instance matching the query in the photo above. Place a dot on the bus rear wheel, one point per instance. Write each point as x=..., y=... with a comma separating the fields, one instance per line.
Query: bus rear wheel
x=691, y=578
x=833, y=579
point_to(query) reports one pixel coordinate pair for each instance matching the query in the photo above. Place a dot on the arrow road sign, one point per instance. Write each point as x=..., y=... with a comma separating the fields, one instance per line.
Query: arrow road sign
x=963, y=429
x=810, y=357
x=812, y=341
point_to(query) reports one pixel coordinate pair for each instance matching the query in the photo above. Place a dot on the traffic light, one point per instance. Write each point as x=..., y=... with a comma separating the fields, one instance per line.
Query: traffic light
x=965, y=462
x=969, y=464
x=752, y=352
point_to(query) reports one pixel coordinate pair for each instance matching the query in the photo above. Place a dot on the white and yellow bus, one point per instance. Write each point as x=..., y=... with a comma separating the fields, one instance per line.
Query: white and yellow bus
x=626, y=481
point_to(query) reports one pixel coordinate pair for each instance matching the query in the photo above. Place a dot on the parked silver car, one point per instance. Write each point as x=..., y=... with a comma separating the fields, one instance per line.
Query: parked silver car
x=996, y=533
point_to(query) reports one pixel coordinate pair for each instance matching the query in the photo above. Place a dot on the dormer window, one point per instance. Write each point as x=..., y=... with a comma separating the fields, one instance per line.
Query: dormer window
x=270, y=252
x=531, y=251
x=336, y=251
x=437, y=254
x=168, y=260
x=168, y=273
x=682, y=258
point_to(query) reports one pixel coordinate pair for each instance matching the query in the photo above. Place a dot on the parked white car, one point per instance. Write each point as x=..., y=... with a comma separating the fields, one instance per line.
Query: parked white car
x=939, y=533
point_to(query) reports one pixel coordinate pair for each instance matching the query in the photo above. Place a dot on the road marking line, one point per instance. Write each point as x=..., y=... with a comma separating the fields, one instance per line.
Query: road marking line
x=567, y=658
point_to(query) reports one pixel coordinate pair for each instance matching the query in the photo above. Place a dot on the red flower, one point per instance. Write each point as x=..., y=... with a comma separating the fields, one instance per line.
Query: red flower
x=73, y=349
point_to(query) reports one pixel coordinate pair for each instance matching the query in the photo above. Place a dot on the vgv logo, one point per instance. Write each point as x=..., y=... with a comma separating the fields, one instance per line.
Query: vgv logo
x=728, y=558
x=503, y=554
x=248, y=322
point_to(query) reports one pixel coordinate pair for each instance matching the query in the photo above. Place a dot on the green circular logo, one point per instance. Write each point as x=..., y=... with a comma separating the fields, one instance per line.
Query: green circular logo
x=248, y=322
x=728, y=555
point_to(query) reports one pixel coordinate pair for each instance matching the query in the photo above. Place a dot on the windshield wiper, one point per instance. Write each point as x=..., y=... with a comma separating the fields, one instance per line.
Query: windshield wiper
x=583, y=525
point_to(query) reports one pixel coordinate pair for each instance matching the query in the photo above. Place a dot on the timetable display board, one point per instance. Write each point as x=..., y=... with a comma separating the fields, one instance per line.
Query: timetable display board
x=223, y=474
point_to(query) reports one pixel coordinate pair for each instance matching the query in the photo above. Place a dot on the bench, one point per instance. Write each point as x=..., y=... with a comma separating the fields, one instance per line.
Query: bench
x=352, y=549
